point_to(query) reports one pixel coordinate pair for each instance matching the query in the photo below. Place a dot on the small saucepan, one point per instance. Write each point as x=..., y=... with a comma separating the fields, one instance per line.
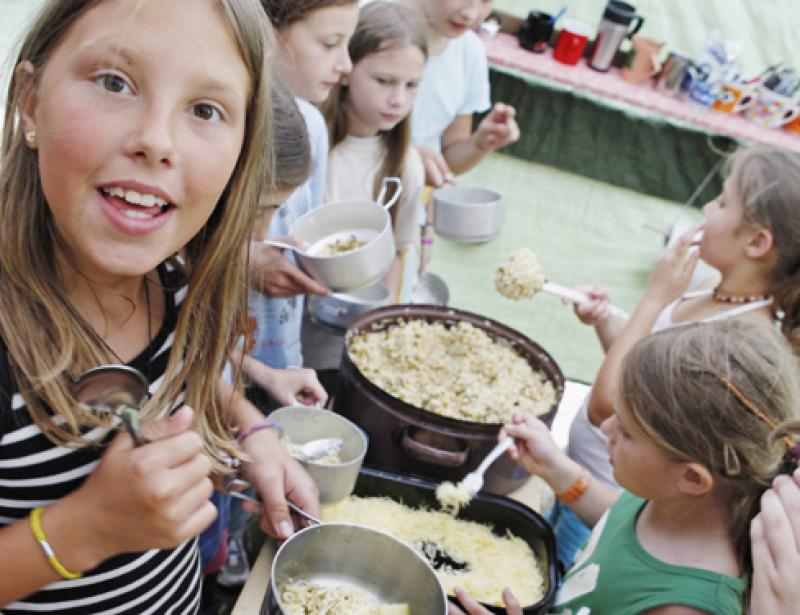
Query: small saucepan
x=340, y=309
x=366, y=222
x=354, y=556
x=467, y=215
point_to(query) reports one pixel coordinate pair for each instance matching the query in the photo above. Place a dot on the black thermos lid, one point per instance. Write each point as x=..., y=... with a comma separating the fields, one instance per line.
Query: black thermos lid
x=619, y=12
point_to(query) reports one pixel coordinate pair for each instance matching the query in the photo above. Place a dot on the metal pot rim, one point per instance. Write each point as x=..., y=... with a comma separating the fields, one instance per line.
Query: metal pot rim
x=364, y=528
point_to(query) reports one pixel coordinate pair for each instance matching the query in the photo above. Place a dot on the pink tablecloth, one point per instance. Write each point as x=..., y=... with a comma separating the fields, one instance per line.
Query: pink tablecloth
x=504, y=50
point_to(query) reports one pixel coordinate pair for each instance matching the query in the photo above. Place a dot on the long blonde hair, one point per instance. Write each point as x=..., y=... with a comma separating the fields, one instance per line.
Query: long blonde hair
x=381, y=25
x=722, y=394
x=48, y=343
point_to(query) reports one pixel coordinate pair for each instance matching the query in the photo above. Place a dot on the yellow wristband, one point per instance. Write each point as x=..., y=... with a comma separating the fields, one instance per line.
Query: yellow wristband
x=38, y=532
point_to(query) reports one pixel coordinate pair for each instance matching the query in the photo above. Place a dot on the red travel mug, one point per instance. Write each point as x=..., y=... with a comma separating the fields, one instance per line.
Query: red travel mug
x=571, y=42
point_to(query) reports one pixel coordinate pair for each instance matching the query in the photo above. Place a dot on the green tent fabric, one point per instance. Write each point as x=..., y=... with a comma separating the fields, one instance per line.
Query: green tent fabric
x=637, y=149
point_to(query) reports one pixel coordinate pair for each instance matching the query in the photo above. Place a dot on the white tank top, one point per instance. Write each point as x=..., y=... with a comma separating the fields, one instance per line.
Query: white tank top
x=664, y=320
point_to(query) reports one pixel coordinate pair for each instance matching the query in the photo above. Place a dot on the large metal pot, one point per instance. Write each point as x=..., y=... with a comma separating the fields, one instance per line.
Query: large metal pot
x=340, y=309
x=467, y=215
x=369, y=221
x=358, y=556
x=410, y=440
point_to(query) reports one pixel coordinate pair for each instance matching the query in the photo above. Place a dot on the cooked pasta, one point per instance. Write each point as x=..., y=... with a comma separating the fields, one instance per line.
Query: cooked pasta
x=452, y=497
x=520, y=275
x=341, y=246
x=463, y=553
x=304, y=598
x=458, y=372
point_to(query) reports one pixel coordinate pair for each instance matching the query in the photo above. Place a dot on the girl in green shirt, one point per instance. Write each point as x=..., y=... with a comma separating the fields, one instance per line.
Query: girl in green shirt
x=701, y=428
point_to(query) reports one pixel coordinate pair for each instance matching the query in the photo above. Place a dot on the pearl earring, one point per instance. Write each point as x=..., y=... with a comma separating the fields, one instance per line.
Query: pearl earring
x=30, y=137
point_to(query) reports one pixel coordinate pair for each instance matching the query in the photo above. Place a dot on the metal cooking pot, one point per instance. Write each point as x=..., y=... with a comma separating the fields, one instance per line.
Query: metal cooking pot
x=369, y=221
x=467, y=215
x=362, y=557
x=340, y=309
x=410, y=440
x=302, y=424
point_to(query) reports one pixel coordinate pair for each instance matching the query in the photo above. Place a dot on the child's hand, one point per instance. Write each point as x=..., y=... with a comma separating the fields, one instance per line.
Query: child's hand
x=152, y=496
x=534, y=447
x=595, y=311
x=276, y=276
x=473, y=608
x=437, y=171
x=775, y=540
x=288, y=386
x=498, y=128
x=277, y=477
x=673, y=271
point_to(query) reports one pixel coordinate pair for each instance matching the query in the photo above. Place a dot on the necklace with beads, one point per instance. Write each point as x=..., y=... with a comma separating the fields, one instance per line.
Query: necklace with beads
x=737, y=299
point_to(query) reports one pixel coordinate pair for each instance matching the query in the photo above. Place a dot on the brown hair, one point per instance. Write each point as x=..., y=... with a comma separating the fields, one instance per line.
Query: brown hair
x=48, y=342
x=283, y=13
x=292, y=150
x=767, y=181
x=381, y=25
x=676, y=385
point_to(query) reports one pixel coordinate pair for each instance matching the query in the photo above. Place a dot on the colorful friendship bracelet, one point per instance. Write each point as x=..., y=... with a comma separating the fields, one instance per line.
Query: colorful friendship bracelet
x=41, y=538
x=258, y=427
x=576, y=489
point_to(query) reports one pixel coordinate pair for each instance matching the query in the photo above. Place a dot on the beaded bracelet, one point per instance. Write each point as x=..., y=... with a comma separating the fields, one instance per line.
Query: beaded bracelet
x=41, y=538
x=427, y=241
x=576, y=489
x=258, y=427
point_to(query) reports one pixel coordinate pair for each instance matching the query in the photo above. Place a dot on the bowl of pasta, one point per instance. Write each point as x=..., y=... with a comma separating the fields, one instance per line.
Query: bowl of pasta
x=350, y=569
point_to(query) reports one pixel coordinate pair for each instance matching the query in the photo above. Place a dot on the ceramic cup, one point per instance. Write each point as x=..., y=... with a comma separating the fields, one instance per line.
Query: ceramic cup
x=571, y=42
x=734, y=97
x=773, y=110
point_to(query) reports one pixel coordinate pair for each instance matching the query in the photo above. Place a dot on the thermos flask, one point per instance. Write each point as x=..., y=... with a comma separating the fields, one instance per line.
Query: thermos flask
x=614, y=27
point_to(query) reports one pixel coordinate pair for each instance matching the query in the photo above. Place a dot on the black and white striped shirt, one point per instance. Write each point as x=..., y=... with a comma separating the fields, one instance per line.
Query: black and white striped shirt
x=35, y=472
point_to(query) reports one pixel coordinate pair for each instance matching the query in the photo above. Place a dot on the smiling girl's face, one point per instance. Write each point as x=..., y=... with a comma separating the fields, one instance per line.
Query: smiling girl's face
x=138, y=132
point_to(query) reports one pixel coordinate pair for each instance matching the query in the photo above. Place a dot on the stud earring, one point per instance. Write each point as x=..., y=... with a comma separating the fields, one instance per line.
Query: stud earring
x=30, y=137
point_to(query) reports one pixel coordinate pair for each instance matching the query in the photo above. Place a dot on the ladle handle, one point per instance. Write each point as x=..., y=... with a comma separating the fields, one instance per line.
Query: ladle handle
x=578, y=297
x=281, y=245
x=130, y=418
x=498, y=450
x=385, y=186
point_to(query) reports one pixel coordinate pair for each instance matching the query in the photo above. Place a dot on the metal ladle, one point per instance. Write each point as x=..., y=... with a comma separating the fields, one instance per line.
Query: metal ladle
x=115, y=389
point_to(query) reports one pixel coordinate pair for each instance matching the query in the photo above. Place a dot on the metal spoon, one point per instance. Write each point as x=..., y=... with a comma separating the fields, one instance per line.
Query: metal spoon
x=115, y=389
x=254, y=500
x=314, y=450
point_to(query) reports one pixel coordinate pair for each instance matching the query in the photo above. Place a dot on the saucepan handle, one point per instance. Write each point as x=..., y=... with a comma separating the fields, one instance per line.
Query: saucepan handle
x=385, y=186
x=431, y=454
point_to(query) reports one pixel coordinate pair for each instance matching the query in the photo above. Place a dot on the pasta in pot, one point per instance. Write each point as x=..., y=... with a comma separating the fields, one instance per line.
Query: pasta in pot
x=463, y=553
x=303, y=598
x=458, y=372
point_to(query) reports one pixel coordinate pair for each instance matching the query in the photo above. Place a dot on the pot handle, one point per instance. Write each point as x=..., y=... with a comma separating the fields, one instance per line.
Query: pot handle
x=431, y=454
x=385, y=186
